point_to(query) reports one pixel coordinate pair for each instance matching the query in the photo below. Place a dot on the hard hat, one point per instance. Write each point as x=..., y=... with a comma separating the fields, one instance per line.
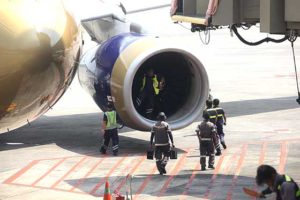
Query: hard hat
x=209, y=103
x=161, y=116
x=264, y=172
x=216, y=102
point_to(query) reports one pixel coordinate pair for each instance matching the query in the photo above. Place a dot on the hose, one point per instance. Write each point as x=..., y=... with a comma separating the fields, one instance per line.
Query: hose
x=267, y=39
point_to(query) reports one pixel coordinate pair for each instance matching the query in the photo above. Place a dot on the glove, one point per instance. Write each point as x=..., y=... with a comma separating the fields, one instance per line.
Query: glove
x=225, y=124
x=102, y=131
x=173, y=145
x=262, y=196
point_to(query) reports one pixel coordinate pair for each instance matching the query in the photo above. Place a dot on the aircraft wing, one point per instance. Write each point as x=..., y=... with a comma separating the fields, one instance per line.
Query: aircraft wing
x=134, y=6
x=93, y=19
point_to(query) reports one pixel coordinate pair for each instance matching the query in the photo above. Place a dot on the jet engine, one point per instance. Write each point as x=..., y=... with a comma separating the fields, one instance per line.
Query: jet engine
x=114, y=70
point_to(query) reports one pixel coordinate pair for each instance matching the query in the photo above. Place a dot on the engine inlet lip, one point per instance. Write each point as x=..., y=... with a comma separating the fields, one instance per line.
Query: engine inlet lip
x=188, y=117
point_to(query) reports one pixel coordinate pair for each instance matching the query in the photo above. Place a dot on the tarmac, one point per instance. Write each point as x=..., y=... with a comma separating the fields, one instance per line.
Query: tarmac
x=57, y=156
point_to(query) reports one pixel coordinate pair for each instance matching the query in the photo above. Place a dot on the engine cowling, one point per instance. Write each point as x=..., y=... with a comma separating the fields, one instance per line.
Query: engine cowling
x=114, y=71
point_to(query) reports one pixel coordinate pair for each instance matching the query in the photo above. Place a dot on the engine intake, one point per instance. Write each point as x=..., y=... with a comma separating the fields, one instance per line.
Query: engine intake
x=114, y=71
x=186, y=82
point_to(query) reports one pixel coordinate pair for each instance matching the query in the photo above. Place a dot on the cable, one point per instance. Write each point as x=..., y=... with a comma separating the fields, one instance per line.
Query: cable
x=183, y=26
x=267, y=39
x=292, y=39
x=207, y=36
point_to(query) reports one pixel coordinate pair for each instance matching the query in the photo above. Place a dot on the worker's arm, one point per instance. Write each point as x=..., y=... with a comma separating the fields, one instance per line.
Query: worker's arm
x=225, y=120
x=152, y=137
x=104, y=122
x=170, y=135
x=265, y=192
x=198, y=132
x=162, y=83
x=214, y=135
x=171, y=138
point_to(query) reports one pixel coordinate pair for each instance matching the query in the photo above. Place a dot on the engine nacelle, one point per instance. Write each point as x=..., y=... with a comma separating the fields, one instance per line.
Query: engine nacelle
x=114, y=71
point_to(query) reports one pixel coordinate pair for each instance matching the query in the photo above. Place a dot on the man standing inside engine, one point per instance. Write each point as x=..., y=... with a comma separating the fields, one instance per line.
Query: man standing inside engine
x=162, y=135
x=148, y=93
x=206, y=133
x=110, y=130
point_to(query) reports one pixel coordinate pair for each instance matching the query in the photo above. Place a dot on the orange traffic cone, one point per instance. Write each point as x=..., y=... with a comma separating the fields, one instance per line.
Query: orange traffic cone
x=107, y=195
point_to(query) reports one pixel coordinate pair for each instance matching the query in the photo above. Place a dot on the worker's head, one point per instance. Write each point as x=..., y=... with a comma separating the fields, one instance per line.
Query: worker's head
x=205, y=116
x=161, y=116
x=265, y=175
x=216, y=102
x=150, y=72
x=209, y=103
x=110, y=106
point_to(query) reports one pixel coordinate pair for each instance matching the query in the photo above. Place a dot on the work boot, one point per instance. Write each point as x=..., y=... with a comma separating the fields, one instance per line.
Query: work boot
x=218, y=153
x=224, y=145
x=211, y=167
x=163, y=170
x=102, y=150
x=203, y=168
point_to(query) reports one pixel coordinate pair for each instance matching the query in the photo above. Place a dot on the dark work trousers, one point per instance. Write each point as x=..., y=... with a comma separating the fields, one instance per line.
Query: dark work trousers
x=146, y=102
x=207, y=149
x=162, y=154
x=113, y=135
x=149, y=106
x=217, y=142
x=220, y=131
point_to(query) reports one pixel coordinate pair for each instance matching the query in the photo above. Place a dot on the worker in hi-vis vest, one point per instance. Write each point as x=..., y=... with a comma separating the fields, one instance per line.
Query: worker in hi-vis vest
x=110, y=130
x=212, y=113
x=148, y=94
x=283, y=185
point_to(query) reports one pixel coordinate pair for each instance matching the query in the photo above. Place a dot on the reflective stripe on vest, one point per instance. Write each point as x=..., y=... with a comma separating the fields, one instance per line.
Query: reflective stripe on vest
x=155, y=84
x=216, y=109
x=111, y=120
x=205, y=139
x=287, y=178
x=212, y=116
x=298, y=193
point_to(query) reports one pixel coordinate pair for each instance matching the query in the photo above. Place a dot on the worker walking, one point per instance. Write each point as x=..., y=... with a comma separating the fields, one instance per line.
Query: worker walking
x=148, y=93
x=110, y=130
x=206, y=133
x=162, y=135
x=213, y=115
x=283, y=185
x=221, y=119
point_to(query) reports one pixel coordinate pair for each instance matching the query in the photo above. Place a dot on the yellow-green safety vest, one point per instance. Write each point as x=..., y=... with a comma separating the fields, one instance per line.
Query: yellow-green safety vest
x=155, y=84
x=111, y=120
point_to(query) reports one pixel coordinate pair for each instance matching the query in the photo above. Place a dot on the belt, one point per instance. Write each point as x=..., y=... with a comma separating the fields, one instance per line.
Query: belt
x=205, y=139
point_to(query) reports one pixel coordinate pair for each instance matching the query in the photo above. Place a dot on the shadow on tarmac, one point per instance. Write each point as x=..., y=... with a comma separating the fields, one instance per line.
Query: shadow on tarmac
x=76, y=133
x=257, y=106
x=80, y=133
x=200, y=187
